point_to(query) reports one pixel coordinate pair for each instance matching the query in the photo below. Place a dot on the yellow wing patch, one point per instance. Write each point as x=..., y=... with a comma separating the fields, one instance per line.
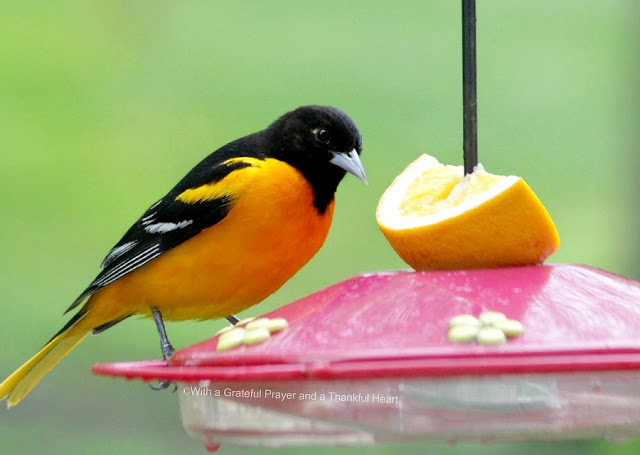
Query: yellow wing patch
x=230, y=185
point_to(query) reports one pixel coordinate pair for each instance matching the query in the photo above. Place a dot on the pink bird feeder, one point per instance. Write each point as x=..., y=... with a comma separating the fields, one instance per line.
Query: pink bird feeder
x=368, y=361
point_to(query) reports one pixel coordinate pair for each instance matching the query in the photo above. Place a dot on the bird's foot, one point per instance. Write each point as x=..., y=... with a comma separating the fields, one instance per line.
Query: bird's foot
x=167, y=350
x=162, y=385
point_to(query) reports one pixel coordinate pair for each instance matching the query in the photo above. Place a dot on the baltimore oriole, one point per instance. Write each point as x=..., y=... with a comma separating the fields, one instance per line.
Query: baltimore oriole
x=229, y=234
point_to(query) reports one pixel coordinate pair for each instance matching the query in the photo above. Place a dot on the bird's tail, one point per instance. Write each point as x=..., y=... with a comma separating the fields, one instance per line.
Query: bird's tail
x=25, y=378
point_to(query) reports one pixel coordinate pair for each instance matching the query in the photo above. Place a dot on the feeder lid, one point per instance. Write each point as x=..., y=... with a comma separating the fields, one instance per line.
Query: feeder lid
x=395, y=324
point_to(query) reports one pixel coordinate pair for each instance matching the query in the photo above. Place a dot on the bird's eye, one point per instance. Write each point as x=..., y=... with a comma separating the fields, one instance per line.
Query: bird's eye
x=322, y=135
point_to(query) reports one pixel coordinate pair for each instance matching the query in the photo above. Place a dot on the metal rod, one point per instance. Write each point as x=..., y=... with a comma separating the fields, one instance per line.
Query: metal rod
x=469, y=86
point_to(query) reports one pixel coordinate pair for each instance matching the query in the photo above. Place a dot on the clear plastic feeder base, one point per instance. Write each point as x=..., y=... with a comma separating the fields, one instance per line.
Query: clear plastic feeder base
x=487, y=409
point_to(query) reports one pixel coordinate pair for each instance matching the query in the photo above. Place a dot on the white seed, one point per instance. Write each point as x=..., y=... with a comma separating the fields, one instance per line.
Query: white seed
x=223, y=330
x=464, y=319
x=491, y=317
x=276, y=325
x=462, y=333
x=256, y=323
x=243, y=321
x=230, y=339
x=491, y=335
x=255, y=336
x=234, y=332
x=511, y=327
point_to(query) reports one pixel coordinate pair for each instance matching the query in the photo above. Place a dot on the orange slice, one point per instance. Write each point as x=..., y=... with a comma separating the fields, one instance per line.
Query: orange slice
x=435, y=218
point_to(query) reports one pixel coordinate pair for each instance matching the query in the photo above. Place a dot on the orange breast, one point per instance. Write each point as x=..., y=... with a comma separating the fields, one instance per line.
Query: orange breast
x=272, y=231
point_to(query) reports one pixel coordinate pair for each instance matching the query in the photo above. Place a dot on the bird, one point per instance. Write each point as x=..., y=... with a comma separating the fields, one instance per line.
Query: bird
x=230, y=233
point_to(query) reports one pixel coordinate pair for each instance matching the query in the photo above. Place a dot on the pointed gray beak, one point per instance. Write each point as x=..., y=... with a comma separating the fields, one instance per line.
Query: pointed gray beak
x=351, y=163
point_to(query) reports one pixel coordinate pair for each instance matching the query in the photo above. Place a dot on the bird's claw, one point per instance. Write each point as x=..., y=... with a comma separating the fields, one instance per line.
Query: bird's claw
x=167, y=350
x=162, y=385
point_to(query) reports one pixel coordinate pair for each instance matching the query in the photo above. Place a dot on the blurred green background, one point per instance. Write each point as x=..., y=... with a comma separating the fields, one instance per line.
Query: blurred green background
x=105, y=105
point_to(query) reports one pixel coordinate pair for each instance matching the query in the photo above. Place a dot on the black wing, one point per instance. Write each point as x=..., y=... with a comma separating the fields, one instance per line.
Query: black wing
x=166, y=224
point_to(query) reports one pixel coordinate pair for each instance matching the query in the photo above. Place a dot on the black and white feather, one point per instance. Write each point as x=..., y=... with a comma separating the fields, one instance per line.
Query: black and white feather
x=165, y=225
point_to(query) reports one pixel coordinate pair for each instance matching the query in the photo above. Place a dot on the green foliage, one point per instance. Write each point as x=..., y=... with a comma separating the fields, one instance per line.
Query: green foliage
x=104, y=105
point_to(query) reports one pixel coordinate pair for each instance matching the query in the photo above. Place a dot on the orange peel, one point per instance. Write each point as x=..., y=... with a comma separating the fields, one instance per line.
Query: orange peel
x=434, y=217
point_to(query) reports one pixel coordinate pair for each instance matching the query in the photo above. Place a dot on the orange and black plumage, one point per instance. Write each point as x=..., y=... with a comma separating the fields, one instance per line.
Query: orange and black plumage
x=230, y=233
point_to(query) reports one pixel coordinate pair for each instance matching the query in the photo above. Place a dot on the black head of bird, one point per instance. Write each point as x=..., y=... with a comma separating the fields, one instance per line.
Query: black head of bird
x=323, y=143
